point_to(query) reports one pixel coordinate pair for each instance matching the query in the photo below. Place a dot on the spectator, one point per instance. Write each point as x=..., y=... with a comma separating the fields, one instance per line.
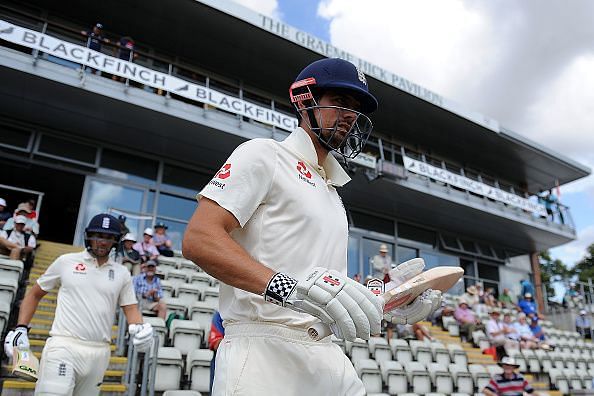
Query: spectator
x=357, y=277
x=471, y=296
x=148, y=290
x=583, y=325
x=536, y=329
x=506, y=299
x=509, y=383
x=130, y=257
x=95, y=37
x=146, y=249
x=381, y=264
x=526, y=287
x=162, y=241
x=32, y=225
x=4, y=214
x=481, y=307
x=467, y=320
x=490, y=300
x=510, y=330
x=32, y=206
x=125, y=52
x=528, y=306
x=125, y=229
x=217, y=332
x=497, y=333
x=17, y=243
x=527, y=339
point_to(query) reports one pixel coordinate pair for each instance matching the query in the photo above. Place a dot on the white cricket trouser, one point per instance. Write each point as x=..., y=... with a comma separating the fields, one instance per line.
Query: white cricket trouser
x=272, y=359
x=70, y=366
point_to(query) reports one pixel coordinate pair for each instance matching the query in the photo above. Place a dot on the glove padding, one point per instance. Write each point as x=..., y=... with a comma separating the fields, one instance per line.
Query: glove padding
x=422, y=306
x=338, y=301
x=16, y=338
x=418, y=310
x=142, y=336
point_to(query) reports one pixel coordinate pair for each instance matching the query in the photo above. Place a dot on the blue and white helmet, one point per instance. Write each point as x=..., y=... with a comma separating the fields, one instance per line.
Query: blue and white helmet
x=344, y=77
x=104, y=223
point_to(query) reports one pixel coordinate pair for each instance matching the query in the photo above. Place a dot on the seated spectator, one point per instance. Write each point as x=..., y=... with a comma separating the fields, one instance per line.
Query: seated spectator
x=528, y=306
x=489, y=298
x=146, y=249
x=508, y=383
x=471, y=296
x=162, y=241
x=437, y=316
x=32, y=206
x=414, y=331
x=148, y=290
x=536, y=329
x=357, y=277
x=32, y=225
x=527, y=339
x=4, y=214
x=17, y=243
x=583, y=325
x=497, y=333
x=130, y=257
x=506, y=300
x=467, y=320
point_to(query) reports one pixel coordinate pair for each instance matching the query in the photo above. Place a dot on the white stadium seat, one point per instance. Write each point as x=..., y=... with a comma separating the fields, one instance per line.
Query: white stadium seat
x=457, y=354
x=379, y=348
x=169, y=369
x=186, y=335
x=211, y=294
x=575, y=380
x=198, y=369
x=176, y=276
x=4, y=314
x=559, y=379
x=12, y=266
x=181, y=393
x=168, y=262
x=401, y=350
x=532, y=361
x=462, y=379
x=394, y=377
x=368, y=371
x=357, y=349
x=480, y=375
x=175, y=305
x=202, y=312
x=418, y=377
x=168, y=289
x=451, y=325
x=441, y=378
x=421, y=351
x=159, y=327
x=187, y=264
x=8, y=289
x=188, y=293
x=440, y=353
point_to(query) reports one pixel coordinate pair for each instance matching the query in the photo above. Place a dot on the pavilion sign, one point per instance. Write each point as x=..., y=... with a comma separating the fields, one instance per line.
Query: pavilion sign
x=143, y=75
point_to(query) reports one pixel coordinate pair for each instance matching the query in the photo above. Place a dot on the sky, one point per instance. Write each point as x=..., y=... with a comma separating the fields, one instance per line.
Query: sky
x=528, y=64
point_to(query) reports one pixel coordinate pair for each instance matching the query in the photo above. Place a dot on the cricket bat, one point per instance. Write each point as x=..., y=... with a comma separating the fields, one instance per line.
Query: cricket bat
x=438, y=278
x=25, y=364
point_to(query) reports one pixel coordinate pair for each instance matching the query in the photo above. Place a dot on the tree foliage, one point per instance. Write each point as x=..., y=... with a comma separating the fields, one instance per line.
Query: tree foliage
x=550, y=267
x=585, y=268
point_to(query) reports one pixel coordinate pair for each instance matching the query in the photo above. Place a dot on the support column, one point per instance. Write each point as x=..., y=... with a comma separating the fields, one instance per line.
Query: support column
x=535, y=264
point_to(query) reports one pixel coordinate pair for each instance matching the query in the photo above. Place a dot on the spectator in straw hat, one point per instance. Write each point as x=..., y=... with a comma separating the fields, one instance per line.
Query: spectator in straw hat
x=508, y=383
x=382, y=263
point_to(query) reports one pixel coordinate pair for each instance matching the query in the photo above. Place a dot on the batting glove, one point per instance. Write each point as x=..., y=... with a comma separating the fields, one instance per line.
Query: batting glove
x=345, y=305
x=142, y=336
x=16, y=338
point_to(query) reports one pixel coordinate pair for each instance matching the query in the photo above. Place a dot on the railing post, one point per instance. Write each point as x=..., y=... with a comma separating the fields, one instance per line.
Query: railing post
x=121, y=337
x=170, y=72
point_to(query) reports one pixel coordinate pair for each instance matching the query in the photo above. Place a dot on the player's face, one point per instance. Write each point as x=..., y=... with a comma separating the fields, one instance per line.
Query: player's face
x=336, y=123
x=101, y=243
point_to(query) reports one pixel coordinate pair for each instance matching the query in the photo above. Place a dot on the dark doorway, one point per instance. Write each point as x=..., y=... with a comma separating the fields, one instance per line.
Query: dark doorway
x=61, y=200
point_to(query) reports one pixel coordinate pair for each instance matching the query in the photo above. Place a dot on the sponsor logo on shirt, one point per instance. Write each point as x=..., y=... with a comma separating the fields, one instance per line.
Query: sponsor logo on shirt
x=304, y=173
x=222, y=174
x=80, y=268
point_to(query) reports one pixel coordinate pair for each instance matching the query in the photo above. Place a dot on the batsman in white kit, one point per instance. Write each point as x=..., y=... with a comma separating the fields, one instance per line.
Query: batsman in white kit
x=272, y=228
x=91, y=287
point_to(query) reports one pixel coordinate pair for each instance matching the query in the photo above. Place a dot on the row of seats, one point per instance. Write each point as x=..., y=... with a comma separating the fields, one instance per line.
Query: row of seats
x=186, y=335
x=378, y=349
x=11, y=272
x=422, y=378
x=189, y=292
x=171, y=369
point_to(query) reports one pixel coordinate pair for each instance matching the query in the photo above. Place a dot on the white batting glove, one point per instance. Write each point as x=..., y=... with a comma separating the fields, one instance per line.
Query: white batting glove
x=336, y=300
x=418, y=310
x=16, y=338
x=142, y=336
x=404, y=272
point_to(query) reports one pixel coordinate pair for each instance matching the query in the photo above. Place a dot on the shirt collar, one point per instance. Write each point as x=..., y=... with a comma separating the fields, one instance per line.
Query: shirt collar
x=300, y=143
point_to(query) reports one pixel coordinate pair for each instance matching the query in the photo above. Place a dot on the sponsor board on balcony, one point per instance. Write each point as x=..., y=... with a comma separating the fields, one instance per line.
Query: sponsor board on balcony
x=143, y=75
x=445, y=176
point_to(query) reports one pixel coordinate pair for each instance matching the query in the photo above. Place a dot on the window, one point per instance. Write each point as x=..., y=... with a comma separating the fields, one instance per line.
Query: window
x=67, y=149
x=184, y=180
x=176, y=207
x=128, y=167
x=468, y=246
x=372, y=223
x=417, y=234
x=406, y=253
x=14, y=137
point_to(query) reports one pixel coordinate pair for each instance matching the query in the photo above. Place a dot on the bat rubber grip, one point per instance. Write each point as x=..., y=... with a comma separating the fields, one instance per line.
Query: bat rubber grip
x=319, y=331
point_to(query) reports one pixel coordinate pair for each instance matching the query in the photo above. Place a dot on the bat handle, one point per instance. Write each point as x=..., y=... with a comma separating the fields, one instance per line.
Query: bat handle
x=320, y=330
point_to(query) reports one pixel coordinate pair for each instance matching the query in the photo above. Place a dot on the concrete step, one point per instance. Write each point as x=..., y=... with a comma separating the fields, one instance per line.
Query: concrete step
x=19, y=387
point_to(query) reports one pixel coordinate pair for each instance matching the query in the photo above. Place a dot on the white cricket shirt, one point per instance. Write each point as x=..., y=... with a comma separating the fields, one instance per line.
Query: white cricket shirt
x=291, y=217
x=88, y=296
